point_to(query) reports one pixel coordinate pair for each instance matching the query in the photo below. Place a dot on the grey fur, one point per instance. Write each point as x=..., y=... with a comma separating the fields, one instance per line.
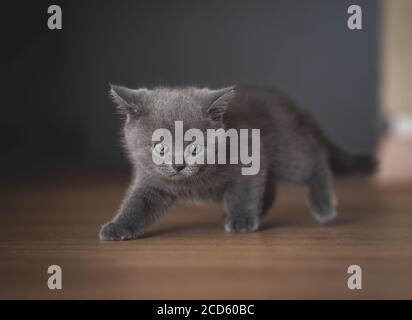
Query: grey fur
x=293, y=150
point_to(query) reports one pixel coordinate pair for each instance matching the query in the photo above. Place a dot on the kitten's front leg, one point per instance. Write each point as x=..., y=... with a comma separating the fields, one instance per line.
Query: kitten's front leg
x=244, y=204
x=140, y=208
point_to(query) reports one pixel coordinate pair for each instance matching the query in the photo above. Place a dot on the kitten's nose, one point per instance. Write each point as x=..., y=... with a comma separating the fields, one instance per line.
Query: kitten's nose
x=178, y=167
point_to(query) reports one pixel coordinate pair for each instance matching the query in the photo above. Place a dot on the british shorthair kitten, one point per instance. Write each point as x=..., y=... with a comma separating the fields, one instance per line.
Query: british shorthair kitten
x=292, y=149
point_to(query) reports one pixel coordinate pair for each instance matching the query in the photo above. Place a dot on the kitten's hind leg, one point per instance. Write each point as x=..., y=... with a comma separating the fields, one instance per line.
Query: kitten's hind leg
x=322, y=199
x=243, y=204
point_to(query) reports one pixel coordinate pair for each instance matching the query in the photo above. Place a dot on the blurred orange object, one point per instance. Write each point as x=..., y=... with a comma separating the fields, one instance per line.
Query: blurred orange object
x=395, y=157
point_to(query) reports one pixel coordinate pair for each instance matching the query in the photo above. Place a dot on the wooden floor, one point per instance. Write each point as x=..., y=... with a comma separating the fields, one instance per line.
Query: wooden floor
x=187, y=255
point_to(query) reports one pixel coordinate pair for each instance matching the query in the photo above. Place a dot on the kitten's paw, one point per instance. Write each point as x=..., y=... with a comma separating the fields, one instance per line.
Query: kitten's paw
x=117, y=231
x=324, y=217
x=324, y=212
x=242, y=224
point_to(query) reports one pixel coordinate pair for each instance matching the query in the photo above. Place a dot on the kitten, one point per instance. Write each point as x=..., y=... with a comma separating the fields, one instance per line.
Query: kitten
x=293, y=150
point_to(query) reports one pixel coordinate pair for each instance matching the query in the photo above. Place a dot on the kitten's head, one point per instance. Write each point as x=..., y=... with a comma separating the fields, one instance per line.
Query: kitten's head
x=149, y=110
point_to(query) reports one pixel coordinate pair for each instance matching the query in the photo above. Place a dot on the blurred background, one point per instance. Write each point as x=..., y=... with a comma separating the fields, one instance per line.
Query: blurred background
x=56, y=116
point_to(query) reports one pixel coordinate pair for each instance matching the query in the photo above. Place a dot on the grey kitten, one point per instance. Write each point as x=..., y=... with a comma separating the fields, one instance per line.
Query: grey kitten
x=293, y=150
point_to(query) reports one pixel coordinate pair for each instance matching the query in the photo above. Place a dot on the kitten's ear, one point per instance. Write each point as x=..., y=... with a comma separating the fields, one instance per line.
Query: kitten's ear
x=128, y=101
x=218, y=102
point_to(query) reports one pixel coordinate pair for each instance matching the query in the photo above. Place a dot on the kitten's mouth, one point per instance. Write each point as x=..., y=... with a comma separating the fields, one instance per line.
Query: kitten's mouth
x=179, y=176
x=183, y=175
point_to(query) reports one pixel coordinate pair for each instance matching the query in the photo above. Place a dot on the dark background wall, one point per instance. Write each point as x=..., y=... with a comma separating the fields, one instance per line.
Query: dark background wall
x=55, y=111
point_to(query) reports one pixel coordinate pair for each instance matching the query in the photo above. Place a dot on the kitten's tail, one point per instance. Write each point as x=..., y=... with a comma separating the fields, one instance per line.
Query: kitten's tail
x=343, y=163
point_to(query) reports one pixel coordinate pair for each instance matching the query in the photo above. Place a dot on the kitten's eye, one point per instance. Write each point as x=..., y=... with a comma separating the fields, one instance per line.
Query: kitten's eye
x=195, y=149
x=161, y=148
